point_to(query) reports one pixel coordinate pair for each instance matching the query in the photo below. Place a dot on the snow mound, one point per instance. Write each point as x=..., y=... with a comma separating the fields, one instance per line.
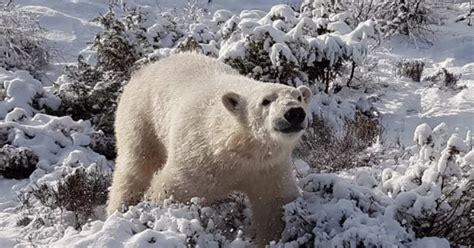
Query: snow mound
x=168, y=225
x=55, y=140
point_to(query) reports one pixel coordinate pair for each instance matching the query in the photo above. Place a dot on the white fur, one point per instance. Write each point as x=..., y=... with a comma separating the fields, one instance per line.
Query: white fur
x=190, y=126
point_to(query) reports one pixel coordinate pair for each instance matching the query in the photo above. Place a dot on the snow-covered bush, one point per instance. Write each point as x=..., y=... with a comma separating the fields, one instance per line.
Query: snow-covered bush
x=340, y=133
x=193, y=12
x=90, y=92
x=412, y=69
x=24, y=96
x=284, y=47
x=189, y=45
x=52, y=139
x=455, y=223
x=122, y=42
x=79, y=192
x=434, y=195
x=87, y=89
x=92, y=100
x=407, y=17
x=328, y=150
x=445, y=79
x=429, y=195
x=334, y=212
x=103, y=144
x=44, y=148
x=17, y=163
x=22, y=45
x=467, y=16
x=171, y=224
x=170, y=28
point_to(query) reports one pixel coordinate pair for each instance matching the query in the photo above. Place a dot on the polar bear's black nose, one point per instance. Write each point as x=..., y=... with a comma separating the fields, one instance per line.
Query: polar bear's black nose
x=295, y=116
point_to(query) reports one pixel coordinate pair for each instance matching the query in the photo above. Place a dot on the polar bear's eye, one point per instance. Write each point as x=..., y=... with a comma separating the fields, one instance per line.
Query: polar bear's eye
x=265, y=102
x=299, y=98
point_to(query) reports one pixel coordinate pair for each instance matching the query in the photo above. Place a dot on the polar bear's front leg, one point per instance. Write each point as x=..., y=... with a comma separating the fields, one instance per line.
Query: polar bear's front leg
x=267, y=201
x=170, y=182
x=163, y=184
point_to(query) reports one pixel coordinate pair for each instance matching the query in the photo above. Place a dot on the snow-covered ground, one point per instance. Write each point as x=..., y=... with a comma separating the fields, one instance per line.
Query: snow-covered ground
x=364, y=199
x=406, y=104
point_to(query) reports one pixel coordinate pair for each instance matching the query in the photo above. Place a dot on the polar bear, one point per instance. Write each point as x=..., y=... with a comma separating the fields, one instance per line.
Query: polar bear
x=191, y=126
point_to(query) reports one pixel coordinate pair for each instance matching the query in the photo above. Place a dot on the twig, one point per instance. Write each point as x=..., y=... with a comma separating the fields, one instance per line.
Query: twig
x=352, y=74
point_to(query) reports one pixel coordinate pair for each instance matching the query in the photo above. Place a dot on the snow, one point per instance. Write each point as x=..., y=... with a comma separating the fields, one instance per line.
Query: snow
x=406, y=104
x=67, y=23
x=422, y=134
x=70, y=28
x=456, y=142
x=428, y=124
x=430, y=242
x=292, y=40
x=281, y=11
x=278, y=50
x=22, y=88
x=469, y=158
x=147, y=225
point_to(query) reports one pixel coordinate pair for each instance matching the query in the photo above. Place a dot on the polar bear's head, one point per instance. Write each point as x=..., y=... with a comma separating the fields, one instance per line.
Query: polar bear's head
x=272, y=112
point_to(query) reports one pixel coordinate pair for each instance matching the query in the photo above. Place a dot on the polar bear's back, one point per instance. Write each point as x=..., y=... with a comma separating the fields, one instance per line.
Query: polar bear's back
x=184, y=70
x=186, y=79
x=185, y=76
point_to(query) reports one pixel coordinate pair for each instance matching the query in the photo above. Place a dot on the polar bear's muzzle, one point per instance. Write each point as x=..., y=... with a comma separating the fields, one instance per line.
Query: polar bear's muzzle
x=293, y=121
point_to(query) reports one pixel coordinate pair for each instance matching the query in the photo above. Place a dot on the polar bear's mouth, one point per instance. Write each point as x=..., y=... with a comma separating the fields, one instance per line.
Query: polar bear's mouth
x=289, y=129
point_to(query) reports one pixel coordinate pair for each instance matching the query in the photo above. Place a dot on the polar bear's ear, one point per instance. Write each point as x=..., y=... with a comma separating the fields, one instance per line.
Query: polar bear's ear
x=232, y=101
x=306, y=92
